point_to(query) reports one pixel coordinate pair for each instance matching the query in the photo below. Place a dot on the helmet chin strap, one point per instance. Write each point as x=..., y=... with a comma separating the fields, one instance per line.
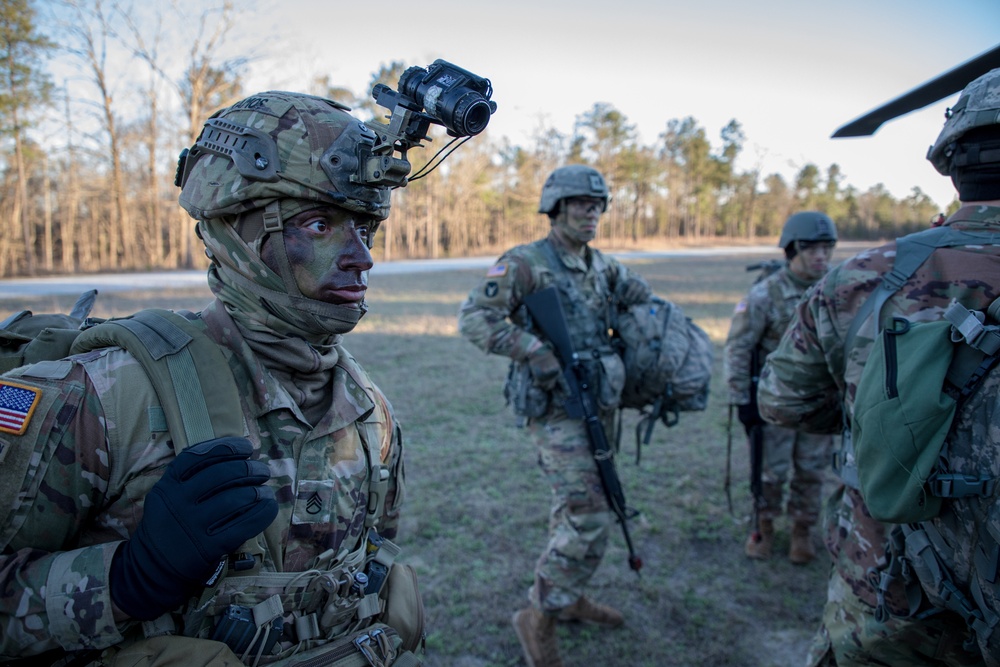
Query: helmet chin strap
x=273, y=224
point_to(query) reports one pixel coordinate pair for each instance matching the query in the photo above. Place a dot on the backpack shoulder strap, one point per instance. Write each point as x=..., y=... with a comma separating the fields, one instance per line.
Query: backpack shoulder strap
x=189, y=373
x=911, y=252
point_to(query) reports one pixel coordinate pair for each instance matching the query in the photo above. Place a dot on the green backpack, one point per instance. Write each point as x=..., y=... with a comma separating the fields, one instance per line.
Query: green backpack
x=909, y=392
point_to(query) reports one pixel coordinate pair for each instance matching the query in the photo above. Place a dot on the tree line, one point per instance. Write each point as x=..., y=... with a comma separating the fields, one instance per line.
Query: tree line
x=87, y=166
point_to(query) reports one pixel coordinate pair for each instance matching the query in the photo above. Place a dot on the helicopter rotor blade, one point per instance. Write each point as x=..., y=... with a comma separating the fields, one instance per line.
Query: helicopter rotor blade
x=938, y=88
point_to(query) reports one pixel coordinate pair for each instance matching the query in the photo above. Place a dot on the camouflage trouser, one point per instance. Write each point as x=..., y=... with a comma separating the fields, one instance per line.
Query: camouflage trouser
x=850, y=636
x=807, y=455
x=579, y=519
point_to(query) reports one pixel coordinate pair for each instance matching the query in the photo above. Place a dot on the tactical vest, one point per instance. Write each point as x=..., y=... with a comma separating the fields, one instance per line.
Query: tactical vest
x=588, y=317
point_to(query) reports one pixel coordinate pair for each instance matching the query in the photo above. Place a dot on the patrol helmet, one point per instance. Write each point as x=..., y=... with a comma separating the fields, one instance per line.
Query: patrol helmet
x=265, y=147
x=978, y=106
x=575, y=180
x=807, y=226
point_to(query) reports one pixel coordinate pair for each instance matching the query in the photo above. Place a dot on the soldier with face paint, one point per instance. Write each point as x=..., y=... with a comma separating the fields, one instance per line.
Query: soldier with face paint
x=117, y=549
x=494, y=319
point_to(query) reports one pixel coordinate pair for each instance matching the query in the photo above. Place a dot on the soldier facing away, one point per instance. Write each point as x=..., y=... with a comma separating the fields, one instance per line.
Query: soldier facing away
x=494, y=319
x=117, y=549
x=759, y=320
x=811, y=379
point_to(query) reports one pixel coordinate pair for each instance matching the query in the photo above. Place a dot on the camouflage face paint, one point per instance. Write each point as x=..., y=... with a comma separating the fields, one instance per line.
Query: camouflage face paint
x=327, y=249
x=577, y=221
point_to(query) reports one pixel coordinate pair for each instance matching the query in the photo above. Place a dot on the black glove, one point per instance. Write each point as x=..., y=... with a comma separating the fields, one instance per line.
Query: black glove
x=209, y=501
x=749, y=416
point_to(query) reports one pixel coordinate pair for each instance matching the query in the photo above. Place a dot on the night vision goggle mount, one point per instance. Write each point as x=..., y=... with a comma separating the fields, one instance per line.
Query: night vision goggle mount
x=442, y=94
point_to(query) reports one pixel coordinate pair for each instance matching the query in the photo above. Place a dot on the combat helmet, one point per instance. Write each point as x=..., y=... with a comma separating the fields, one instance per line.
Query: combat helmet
x=978, y=106
x=807, y=226
x=256, y=164
x=575, y=180
x=264, y=148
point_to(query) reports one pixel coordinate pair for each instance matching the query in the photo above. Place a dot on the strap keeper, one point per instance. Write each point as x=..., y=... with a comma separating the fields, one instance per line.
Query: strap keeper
x=272, y=218
x=306, y=627
x=894, y=280
x=369, y=606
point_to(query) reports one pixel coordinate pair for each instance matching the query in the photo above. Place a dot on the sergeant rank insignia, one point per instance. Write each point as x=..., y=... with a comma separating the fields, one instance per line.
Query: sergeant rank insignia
x=17, y=404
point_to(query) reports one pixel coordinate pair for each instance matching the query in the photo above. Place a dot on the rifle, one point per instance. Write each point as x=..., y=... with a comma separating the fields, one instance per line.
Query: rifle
x=766, y=267
x=755, y=435
x=729, y=457
x=547, y=313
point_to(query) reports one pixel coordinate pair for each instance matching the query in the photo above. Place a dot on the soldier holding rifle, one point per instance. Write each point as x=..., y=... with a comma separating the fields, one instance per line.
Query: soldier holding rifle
x=760, y=318
x=495, y=318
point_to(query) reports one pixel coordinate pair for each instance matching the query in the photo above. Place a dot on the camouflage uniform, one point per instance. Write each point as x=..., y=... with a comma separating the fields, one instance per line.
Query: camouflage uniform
x=758, y=322
x=802, y=385
x=97, y=443
x=97, y=454
x=493, y=318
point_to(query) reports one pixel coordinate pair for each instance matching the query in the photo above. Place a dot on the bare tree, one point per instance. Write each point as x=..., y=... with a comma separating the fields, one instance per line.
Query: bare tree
x=90, y=31
x=26, y=91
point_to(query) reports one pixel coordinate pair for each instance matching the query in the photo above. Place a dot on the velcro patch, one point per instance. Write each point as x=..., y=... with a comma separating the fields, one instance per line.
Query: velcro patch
x=17, y=404
x=741, y=305
x=498, y=270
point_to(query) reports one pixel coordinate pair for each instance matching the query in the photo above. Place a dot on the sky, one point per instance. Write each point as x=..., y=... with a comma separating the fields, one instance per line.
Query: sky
x=791, y=72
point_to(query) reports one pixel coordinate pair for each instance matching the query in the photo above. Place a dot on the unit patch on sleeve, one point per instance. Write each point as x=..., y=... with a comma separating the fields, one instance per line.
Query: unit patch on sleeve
x=17, y=404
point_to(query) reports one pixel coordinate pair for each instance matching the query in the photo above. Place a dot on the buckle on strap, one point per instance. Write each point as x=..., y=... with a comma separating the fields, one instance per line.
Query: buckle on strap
x=376, y=647
x=894, y=280
x=956, y=485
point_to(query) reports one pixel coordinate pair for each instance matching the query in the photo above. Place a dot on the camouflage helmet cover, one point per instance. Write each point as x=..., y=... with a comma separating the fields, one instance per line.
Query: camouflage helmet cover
x=575, y=180
x=977, y=106
x=276, y=145
x=807, y=226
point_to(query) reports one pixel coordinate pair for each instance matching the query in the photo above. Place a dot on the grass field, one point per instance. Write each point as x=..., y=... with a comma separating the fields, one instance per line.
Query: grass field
x=477, y=505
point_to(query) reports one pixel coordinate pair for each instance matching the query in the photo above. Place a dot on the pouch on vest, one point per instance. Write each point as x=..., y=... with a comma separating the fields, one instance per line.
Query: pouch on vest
x=901, y=418
x=525, y=398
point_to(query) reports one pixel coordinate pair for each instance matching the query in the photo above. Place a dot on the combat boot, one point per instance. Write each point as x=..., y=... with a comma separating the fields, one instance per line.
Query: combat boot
x=537, y=633
x=585, y=609
x=801, y=550
x=759, y=547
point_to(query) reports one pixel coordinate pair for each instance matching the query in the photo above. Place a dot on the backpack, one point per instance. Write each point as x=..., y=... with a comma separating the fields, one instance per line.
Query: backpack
x=909, y=392
x=182, y=363
x=895, y=450
x=668, y=362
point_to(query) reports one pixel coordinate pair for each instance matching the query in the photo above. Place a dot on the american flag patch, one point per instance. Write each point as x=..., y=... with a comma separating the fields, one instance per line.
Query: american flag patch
x=497, y=271
x=17, y=403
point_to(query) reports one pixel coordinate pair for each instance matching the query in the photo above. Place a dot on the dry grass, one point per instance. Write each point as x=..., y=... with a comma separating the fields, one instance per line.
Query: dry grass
x=477, y=505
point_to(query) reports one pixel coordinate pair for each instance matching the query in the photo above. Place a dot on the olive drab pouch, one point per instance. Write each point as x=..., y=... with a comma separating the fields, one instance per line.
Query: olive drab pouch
x=404, y=607
x=916, y=376
x=525, y=398
x=173, y=651
x=610, y=379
